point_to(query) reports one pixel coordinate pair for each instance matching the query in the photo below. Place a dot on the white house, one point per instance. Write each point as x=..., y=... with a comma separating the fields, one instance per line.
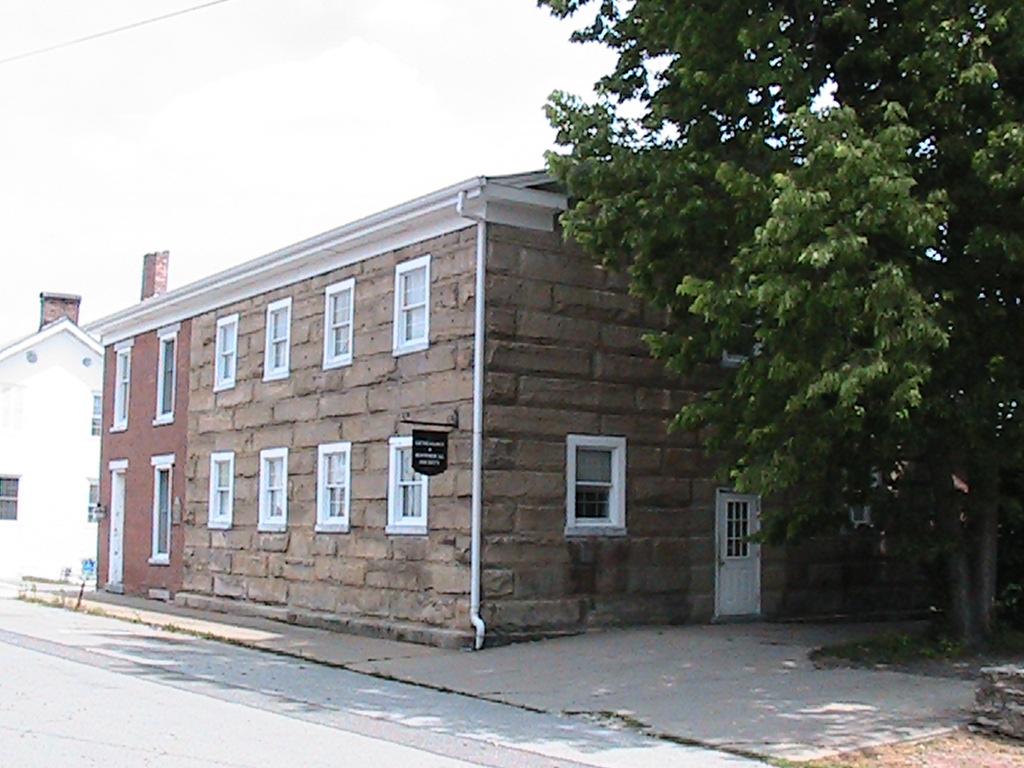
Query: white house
x=50, y=385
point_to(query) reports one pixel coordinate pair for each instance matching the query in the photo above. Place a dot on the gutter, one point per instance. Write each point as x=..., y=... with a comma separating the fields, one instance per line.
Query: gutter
x=476, y=513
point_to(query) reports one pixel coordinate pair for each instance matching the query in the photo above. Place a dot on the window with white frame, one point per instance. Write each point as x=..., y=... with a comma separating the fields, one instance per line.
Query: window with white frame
x=94, y=501
x=332, y=487
x=277, y=351
x=163, y=467
x=222, y=489
x=8, y=498
x=595, y=484
x=97, y=415
x=273, y=503
x=412, y=305
x=407, y=490
x=339, y=303
x=122, y=384
x=226, y=353
x=166, y=374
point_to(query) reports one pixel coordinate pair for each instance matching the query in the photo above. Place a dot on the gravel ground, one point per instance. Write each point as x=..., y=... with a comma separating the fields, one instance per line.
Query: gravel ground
x=961, y=749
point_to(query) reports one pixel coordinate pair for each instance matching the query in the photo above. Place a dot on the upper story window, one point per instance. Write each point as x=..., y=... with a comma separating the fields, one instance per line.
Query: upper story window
x=332, y=487
x=407, y=490
x=226, y=353
x=412, y=305
x=338, y=315
x=222, y=489
x=166, y=374
x=97, y=414
x=162, y=505
x=595, y=484
x=122, y=383
x=277, y=352
x=273, y=503
x=8, y=498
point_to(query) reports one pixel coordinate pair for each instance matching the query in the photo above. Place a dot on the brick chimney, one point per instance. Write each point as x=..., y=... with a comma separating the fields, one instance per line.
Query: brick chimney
x=154, y=273
x=54, y=306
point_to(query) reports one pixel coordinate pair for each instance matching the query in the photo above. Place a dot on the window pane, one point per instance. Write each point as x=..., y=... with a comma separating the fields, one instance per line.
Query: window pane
x=414, y=286
x=594, y=465
x=163, y=516
x=592, y=503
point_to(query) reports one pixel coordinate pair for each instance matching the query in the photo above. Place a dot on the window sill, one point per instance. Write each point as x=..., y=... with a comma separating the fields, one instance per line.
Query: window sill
x=272, y=528
x=217, y=525
x=119, y=428
x=160, y=560
x=276, y=375
x=406, y=530
x=331, y=528
x=342, y=362
x=160, y=421
x=406, y=349
x=223, y=387
x=595, y=530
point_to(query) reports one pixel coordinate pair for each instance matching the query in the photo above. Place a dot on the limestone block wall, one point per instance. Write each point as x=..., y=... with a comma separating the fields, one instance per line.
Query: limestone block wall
x=565, y=355
x=364, y=571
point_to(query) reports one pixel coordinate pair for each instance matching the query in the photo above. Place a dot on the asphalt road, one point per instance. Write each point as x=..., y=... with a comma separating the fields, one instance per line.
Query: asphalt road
x=81, y=690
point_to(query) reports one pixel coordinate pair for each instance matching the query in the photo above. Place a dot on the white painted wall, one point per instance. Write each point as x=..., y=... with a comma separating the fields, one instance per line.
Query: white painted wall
x=45, y=425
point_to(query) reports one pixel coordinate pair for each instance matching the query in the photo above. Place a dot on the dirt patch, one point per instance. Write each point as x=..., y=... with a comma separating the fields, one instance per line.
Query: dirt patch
x=961, y=749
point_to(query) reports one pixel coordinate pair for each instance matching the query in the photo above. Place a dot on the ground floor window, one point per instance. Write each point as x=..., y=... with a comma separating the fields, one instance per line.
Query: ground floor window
x=163, y=467
x=222, y=489
x=407, y=490
x=8, y=498
x=273, y=503
x=332, y=487
x=94, y=501
x=595, y=484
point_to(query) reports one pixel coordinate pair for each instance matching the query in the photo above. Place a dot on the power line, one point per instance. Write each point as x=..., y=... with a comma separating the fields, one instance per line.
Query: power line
x=76, y=41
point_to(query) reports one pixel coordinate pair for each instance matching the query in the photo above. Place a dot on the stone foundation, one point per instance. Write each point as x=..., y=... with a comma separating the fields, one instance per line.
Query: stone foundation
x=999, y=701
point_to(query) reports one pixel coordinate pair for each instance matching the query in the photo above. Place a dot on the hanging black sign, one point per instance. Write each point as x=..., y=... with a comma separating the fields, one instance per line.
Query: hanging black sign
x=429, y=451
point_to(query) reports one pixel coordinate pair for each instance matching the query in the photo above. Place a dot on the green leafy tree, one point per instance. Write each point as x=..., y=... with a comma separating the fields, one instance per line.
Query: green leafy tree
x=832, y=188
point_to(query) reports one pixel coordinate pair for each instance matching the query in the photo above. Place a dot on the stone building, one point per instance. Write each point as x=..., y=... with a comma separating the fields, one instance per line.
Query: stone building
x=565, y=503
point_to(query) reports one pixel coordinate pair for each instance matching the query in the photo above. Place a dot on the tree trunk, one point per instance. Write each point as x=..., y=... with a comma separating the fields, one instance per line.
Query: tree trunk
x=986, y=553
x=964, y=559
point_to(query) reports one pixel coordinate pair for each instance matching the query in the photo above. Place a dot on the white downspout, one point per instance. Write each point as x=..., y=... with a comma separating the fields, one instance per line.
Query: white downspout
x=476, y=514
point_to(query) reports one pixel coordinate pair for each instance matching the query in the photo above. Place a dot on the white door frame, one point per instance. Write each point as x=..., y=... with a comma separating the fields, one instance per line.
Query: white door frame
x=737, y=562
x=115, y=544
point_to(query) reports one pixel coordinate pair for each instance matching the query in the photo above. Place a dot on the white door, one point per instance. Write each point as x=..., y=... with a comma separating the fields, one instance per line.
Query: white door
x=738, y=572
x=115, y=557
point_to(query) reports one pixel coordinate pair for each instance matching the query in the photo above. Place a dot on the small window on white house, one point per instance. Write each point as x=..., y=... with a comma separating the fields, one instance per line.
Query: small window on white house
x=407, y=491
x=595, y=485
x=332, y=487
x=338, y=315
x=412, y=306
x=94, y=501
x=273, y=504
x=8, y=498
x=222, y=489
x=122, y=384
x=166, y=374
x=860, y=514
x=226, y=353
x=163, y=467
x=277, y=352
x=97, y=414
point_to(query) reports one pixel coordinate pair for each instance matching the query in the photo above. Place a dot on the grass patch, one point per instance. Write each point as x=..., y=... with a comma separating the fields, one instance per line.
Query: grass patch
x=902, y=648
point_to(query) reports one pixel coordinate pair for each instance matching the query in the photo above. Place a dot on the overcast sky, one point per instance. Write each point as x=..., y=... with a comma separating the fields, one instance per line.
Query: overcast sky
x=228, y=132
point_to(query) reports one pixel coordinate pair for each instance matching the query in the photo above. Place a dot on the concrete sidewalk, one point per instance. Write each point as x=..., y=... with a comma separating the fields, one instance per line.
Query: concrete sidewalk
x=746, y=688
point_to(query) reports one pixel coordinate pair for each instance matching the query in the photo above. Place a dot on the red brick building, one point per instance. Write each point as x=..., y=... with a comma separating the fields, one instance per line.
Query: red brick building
x=144, y=448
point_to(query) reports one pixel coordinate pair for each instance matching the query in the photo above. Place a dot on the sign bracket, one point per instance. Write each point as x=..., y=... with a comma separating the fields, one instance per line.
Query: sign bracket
x=452, y=422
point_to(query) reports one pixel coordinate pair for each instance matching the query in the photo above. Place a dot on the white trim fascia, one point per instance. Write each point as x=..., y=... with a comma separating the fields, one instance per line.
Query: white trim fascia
x=116, y=465
x=421, y=219
x=59, y=326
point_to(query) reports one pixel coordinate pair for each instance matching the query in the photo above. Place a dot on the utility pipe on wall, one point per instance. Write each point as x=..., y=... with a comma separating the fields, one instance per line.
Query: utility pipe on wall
x=476, y=513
